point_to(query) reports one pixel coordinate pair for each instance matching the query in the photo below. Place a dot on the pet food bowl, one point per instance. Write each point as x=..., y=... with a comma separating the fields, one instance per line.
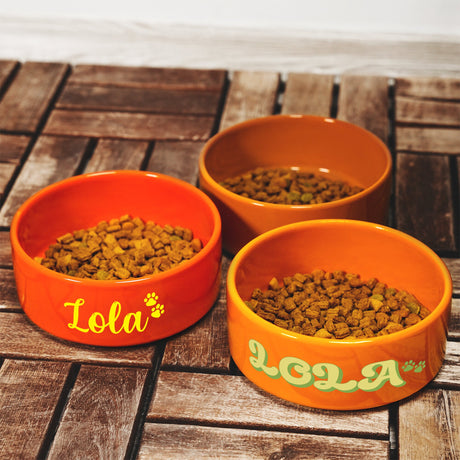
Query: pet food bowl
x=115, y=312
x=341, y=374
x=315, y=144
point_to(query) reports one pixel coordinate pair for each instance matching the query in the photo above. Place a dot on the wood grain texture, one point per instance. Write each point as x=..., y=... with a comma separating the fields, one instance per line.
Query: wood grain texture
x=204, y=346
x=51, y=159
x=28, y=97
x=193, y=442
x=449, y=374
x=427, y=112
x=20, y=338
x=148, y=100
x=6, y=69
x=117, y=154
x=308, y=93
x=99, y=415
x=12, y=149
x=363, y=101
x=251, y=95
x=177, y=159
x=29, y=393
x=229, y=400
x=453, y=265
x=428, y=87
x=5, y=250
x=8, y=295
x=123, y=125
x=428, y=140
x=423, y=196
x=437, y=431
x=454, y=325
x=149, y=77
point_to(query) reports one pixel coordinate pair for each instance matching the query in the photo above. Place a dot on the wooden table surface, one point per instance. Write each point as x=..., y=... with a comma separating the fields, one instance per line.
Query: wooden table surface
x=183, y=397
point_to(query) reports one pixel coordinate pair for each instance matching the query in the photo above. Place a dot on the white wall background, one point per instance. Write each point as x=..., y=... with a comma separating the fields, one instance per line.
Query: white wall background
x=427, y=17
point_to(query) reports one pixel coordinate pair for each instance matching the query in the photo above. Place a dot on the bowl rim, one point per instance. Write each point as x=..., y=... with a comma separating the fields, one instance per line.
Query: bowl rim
x=232, y=291
x=78, y=179
x=280, y=206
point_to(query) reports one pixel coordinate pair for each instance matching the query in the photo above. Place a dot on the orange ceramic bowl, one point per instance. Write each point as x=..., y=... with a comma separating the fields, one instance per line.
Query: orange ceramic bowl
x=339, y=374
x=125, y=312
x=314, y=144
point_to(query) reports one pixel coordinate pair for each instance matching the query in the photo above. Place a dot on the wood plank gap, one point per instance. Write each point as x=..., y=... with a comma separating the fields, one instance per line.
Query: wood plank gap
x=148, y=155
x=6, y=83
x=335, y=97
x=391, y=143
x=134, y=443
x=87, y=154
x=59, y=410
x=393, y=430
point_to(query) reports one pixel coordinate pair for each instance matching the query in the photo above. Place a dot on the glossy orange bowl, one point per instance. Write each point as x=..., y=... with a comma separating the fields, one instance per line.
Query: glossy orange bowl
x=328, y=146
x=115, y=312
x=330, y=373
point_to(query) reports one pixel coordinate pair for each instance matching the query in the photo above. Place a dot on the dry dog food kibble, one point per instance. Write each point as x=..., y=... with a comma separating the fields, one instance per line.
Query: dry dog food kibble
x=288, y=186
x=336, y=305
x=120, y=249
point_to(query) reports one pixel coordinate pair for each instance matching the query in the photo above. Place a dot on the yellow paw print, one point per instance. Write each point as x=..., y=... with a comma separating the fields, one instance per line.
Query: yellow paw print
x=157, y=311
x=151, y=300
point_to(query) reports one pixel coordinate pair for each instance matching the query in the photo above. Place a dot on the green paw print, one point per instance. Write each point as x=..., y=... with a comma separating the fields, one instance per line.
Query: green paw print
x=420, y=366
x=151, y=300
x=408, y=366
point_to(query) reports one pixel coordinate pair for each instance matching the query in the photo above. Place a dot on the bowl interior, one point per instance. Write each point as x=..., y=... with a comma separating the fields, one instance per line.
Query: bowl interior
x=366, y=249
x=340, y=149
x=83, y=201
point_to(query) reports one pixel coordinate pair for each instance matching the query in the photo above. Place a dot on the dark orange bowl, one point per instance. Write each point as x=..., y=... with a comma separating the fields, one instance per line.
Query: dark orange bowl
x=115, y=312
x=348, y=373
x=315, y=144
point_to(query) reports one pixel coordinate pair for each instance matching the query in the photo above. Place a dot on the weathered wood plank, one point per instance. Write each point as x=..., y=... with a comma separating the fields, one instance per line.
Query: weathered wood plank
x=123, y=125
x=176, y=158
x=8, y=295
x=149, y=77
x=454, y=325
x=428, y=87
x=363, y=101
x=231, y=443
x=12, y=148
x=449, y=373
x=149, y=100
x=251, y=95
x=29, y=96
x=6, y=68
x=428, y=140
x=427, y=112
x=435, y=434
x=29, y=393
x=229, y=400
x=423, y=201
x=51, y=159
x=117, y=154
x=453, y=265
x=100, y=413
x=205, y=345
x=308, y=94
x=5, y=249
x=20, y=338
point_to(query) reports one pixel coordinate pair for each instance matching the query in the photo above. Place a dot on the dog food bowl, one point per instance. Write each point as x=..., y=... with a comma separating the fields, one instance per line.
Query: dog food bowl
x=341, y=374
x=115, y=312
x=328, y=146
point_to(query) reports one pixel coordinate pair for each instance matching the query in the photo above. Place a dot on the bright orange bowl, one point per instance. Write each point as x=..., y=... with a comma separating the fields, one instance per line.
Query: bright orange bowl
x=125, y=312
x=339, y=374
x=315, y=144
